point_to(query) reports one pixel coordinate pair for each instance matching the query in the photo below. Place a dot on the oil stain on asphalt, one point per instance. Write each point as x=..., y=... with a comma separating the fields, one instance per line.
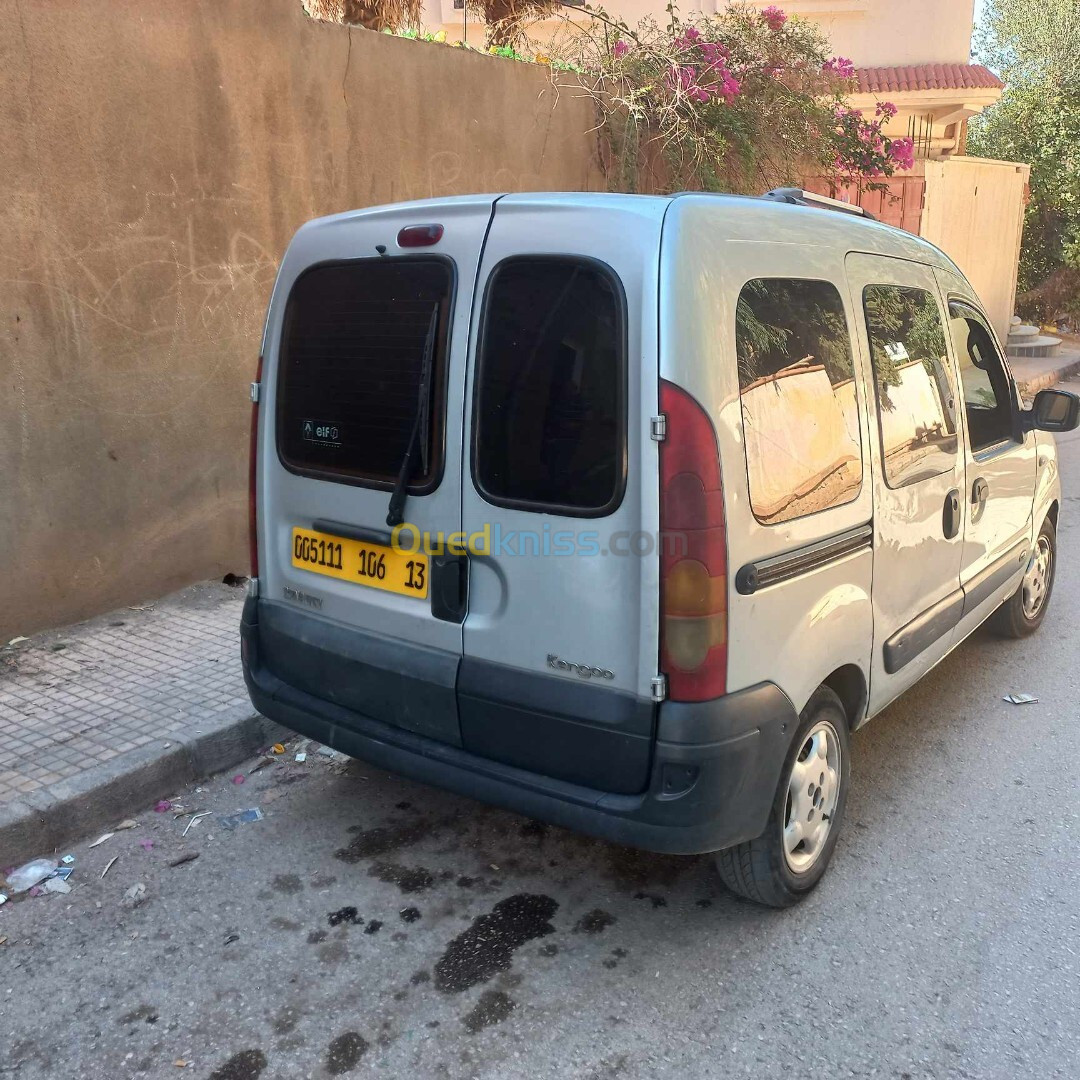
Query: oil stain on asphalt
x=247, y=1065
x=408, y=879
x=488, y=946
x=383, y=839
x=343, y=915
x=492, y=1007
x=345, y=1053
x=594, y=922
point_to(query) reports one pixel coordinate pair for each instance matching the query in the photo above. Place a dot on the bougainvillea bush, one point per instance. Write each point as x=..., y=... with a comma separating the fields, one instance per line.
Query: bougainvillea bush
x=740, y=101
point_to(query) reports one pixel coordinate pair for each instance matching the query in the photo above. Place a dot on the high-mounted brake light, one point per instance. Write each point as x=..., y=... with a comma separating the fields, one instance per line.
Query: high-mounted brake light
x=693, y=552
x=419, y=236
x=253, y=450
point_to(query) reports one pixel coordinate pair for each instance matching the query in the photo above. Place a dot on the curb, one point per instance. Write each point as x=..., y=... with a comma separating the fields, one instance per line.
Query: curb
x=1067, y=365
x=97, y=798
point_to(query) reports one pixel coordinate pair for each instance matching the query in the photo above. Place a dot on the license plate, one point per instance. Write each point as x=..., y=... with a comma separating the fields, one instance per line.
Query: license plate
x=374, y=565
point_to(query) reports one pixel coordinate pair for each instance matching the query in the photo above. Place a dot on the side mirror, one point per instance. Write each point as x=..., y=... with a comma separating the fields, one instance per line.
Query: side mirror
x=1055, y=410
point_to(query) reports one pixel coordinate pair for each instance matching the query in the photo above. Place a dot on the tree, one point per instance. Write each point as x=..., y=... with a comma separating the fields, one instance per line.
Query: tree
x=1035, y=46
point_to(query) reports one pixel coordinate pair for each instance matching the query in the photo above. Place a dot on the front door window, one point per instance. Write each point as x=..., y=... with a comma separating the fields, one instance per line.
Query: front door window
x=988, y=397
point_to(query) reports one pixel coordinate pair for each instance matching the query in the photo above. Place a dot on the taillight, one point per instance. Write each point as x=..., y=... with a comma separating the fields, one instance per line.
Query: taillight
x=253, y=454
x=693, y=552
x=419, y=236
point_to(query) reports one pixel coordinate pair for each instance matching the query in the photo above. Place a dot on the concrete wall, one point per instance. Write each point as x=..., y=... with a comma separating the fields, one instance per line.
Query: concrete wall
x=155, y=160
x=974, y=212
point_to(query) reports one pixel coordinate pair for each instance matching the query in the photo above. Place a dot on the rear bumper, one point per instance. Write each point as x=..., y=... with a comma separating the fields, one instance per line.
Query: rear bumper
x=714, y=770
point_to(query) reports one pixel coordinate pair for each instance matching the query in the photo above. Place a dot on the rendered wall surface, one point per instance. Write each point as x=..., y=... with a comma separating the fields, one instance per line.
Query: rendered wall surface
x=156, y=159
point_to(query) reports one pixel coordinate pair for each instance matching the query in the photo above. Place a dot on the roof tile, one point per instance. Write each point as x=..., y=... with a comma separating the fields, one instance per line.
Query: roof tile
x=895, y=80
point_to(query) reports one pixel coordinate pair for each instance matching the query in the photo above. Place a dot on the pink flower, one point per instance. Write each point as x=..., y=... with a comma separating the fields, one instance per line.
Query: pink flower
x=840, y=66
x=729, y=88
x=886, y=109
x=621, y=48
x=714, y=53
x=773, y=17
x=902, y=151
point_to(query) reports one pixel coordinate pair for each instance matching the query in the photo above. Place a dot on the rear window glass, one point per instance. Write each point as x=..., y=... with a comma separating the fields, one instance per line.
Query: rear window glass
x=352, y=355
x=799, y=406
x=551, y=388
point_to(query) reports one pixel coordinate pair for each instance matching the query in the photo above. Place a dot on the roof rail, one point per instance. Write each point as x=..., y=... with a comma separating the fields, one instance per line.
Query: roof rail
x=800, y=197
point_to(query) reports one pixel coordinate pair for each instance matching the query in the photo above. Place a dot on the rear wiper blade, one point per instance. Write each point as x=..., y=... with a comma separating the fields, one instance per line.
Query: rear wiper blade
x=421, y=427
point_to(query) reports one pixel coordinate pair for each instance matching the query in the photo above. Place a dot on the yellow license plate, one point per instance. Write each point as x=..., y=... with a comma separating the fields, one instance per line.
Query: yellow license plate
x=375, y=565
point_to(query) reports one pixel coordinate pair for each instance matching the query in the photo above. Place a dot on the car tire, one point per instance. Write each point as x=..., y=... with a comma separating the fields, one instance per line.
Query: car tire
x=773, y=869
x=1022, y=614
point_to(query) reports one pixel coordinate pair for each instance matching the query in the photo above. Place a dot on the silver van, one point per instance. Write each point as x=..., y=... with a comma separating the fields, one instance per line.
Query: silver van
x=622, y=512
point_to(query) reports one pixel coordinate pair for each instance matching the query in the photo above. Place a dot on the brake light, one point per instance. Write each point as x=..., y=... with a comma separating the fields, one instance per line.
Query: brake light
x=693, y=552
x=419, y=236
x=253, y=452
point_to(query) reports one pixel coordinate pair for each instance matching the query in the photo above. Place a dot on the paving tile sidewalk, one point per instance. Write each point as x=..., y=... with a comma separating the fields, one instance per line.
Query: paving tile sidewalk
x=102, y=717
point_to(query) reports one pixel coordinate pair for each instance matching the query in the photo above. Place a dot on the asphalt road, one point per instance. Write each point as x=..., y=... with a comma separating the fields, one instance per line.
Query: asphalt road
x=367, y=924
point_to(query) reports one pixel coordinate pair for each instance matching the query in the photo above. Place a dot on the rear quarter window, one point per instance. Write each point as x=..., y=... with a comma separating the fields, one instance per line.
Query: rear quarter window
x=352, y=353
x=550, y=403
x=799, y=405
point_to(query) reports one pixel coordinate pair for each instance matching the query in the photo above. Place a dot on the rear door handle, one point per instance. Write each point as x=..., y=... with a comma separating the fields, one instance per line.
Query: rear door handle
x=950, y=516
x=449, y=587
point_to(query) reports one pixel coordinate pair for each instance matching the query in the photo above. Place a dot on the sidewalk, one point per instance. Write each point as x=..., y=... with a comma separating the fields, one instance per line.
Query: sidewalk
x=105, y=717
x=1038, y=373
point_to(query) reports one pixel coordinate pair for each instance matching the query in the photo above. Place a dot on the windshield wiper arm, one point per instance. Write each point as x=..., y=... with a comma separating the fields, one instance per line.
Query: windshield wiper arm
x=421, y=427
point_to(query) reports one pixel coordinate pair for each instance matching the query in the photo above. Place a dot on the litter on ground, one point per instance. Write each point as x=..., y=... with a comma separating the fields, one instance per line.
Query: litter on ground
x=241, y=817
x=30, y=874
x=195, y=819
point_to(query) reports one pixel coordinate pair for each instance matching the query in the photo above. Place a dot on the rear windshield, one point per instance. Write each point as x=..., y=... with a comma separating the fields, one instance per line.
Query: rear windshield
x=349, y=382
x=551, y=388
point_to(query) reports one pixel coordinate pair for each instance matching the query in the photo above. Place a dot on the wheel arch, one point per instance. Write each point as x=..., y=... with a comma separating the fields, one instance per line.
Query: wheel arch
x=1052, y=514
x=849, y=684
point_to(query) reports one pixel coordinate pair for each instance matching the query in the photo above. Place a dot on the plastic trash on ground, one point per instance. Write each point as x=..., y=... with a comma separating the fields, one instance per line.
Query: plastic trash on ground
x=1021, y=699
x=241, y=817
x=30, y=874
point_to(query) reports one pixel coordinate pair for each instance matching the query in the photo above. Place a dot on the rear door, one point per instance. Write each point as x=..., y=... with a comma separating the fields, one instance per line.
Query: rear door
x=918, y=470
x=560, y=642
x=353, y=337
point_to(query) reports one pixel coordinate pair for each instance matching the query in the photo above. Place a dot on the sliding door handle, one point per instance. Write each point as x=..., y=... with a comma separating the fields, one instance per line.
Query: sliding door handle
x=950, y=515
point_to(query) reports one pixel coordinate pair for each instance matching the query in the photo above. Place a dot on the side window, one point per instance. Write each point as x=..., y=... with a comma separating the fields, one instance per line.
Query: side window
x=987, y=393
x=799, y=407
x=550, y=409
x=916, y=394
